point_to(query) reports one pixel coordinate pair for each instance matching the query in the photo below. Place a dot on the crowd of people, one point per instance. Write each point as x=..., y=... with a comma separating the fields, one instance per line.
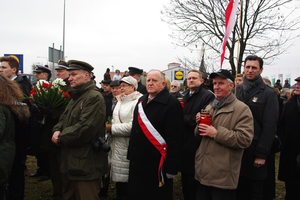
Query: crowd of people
x=140, y=130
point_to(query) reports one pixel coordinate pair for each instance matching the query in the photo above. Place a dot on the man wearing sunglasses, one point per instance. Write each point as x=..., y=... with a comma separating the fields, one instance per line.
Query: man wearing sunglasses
x=175, y=89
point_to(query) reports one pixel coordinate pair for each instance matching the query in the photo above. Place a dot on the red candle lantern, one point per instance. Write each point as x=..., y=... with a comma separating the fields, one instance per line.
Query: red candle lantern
x=205, y=117
x=180, y=99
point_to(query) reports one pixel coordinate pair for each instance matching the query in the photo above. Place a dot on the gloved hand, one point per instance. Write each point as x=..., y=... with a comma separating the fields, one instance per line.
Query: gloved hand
x=45, y=109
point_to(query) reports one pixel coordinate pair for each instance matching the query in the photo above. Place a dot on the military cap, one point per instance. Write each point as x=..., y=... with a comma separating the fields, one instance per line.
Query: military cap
x=40, y=68
x=134, y=70
x=222, y=73
x=76, y=64
x=62, y=65
x=106, y=81
x=114, y=83
x=297, y=79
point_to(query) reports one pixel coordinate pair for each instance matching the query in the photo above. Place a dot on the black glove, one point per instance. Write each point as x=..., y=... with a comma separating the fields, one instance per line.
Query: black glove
x=45, y=109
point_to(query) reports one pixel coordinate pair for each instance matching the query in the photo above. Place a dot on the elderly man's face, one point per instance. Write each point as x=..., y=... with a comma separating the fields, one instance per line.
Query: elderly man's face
x=62, y=73
x=154, y=83
x=115, y=90
x=174, y=86
x=78, y=78
x=222, y=87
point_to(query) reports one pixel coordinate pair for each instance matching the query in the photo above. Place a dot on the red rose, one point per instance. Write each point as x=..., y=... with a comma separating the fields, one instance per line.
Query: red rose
x=33, y=92
x=46, y=85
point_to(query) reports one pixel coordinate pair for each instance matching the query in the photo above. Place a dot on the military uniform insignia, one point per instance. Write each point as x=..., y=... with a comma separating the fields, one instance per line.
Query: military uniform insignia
x=254, y=99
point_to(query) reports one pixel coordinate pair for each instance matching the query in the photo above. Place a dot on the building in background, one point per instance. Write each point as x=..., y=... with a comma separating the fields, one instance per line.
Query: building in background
x=176, y=72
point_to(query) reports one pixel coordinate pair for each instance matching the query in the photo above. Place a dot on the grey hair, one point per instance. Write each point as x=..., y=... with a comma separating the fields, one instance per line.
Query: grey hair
x=161, y=74
x=229, y=81
x=284, y=92
x=176, y=82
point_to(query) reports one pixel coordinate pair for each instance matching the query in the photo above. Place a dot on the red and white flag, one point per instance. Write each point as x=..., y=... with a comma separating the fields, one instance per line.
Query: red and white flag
x=230, y=16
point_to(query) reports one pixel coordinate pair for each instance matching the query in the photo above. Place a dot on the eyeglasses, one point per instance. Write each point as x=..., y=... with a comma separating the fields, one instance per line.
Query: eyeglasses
x=124, y=85
x=174, y=86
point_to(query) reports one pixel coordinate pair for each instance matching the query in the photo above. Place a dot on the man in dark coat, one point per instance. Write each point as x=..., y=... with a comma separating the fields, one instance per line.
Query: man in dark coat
x=10, y=68
x=136, y=73
x=106, y=75
x=195, y=99
x=37, y=115
x=288, y=131
x=42, y=72
x=263, y=103
x=278, y=85
x=286, y=84
x=106, y=92
x=175, y=87
x=150, y=167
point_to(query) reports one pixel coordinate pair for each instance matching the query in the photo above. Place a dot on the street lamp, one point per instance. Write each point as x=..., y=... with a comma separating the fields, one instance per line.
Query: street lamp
x=64, y=19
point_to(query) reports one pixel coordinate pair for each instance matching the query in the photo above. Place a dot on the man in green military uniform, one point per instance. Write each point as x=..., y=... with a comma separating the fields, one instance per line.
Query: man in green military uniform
x=82, y=122
x=52, y=117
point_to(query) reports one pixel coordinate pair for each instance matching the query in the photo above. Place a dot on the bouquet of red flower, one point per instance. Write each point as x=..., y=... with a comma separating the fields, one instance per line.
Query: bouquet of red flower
x=50, y=94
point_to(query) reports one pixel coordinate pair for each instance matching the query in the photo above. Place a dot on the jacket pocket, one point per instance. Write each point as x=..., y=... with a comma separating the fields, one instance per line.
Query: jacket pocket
x=80, y=161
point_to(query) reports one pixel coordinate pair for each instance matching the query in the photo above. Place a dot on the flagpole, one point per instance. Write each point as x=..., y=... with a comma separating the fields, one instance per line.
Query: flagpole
x=238, y=47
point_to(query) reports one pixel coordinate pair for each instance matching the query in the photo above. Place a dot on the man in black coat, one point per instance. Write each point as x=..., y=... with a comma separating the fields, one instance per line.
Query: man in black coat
x=175, y=87
x=263, y=103
x=106, y=93
x=136, y=73
x=9, y=68
x=42, y=73
x=195, y=99
x=152, y=168
x=288, y=131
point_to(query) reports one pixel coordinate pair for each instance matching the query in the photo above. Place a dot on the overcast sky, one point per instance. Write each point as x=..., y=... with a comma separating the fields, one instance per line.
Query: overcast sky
x=104, y=33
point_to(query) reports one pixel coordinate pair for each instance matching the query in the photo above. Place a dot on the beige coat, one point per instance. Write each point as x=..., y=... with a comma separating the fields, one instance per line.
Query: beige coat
x=218, y=160
x=121, y=130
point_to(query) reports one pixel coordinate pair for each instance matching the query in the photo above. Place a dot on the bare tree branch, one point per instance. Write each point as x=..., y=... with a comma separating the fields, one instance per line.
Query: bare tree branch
x=266, y=27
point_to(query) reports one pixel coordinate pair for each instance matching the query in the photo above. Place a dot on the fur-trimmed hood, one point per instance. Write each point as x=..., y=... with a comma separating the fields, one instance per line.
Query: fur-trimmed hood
x=21, y=111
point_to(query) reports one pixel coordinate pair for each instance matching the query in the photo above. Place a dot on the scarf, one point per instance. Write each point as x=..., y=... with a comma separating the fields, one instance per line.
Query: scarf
x=218, y=103
x=249, y=85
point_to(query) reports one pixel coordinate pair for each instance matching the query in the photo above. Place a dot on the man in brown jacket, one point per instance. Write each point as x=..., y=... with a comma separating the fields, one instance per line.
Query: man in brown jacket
x=218, y=158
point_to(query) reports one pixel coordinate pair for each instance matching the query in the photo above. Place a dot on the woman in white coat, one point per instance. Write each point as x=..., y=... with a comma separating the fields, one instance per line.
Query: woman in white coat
x=121, y=130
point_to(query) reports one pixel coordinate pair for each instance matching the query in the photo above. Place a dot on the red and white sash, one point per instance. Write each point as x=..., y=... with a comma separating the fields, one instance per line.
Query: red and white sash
x=155, y=138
